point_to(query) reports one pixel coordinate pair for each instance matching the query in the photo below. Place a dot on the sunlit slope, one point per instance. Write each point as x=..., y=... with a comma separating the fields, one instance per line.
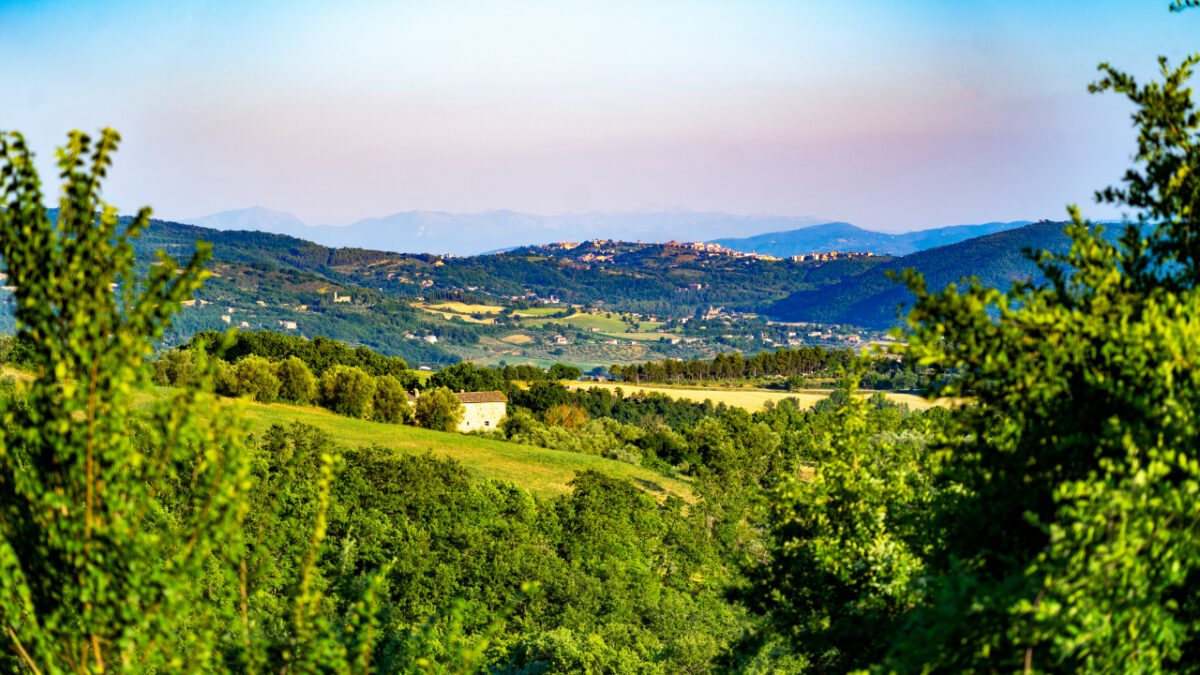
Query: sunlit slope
x=545, y=472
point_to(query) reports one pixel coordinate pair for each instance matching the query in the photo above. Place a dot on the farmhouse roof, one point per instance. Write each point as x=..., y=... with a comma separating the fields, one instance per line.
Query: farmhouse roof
x=482, y=397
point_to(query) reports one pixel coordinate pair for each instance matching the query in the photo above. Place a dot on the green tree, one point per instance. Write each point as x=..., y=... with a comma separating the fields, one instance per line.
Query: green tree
x=1064, y=533
x=255, y=378
x=296, y=381
x=846, y=545
x=390, y=403
x=176, y=367
x=561, y=371
x=466, y=376
x=347, y=390
x=84, y=544
x=439, y=409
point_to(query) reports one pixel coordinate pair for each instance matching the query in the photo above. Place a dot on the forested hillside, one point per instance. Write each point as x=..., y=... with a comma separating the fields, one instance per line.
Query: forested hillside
x=872, y=299
x=847, y=237
x=619, y=275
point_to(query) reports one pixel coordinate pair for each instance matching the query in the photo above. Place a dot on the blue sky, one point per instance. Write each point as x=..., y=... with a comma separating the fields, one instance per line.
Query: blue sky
x=892, y=115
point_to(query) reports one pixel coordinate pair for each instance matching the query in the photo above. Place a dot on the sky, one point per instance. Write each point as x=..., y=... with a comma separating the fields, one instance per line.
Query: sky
x=895, y=116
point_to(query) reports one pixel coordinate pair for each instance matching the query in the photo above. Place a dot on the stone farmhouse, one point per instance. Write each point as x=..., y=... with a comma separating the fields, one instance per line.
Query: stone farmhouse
x=483, y=410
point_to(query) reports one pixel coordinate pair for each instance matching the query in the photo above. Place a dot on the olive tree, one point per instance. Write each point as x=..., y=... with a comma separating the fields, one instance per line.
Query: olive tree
x=390, y=403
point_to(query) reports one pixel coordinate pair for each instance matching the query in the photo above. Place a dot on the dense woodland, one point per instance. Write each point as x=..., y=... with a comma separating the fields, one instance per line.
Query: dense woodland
x=783, y=368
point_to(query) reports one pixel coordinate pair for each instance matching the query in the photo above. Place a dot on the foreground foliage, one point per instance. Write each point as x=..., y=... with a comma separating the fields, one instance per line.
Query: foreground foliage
x=129, y=543
x=1056, y=528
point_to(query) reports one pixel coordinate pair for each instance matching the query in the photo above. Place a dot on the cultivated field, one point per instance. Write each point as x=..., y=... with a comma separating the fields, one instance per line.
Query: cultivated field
x=464, y=308
x=598, y=321
x=536, y=311
x=434, y=309
x=640, y=337
x=750, y=399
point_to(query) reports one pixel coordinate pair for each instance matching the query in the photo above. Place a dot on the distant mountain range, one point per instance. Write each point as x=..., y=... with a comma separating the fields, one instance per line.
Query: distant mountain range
x=475, y=233
x=846, y=237
x=870, y=299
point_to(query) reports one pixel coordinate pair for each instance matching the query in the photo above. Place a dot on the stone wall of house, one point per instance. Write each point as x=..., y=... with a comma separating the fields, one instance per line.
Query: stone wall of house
x=482, y=416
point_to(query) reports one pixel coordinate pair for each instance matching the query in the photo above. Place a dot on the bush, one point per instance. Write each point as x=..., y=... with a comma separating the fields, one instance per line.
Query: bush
x=8, y=386
x=347, y=390
x=439, y=409
x=16, y=350
x=391, y=401
x=296, y=382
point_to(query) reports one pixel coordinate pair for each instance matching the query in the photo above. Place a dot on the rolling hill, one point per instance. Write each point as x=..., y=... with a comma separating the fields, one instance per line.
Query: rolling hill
x=869, y=299
x=443, y=232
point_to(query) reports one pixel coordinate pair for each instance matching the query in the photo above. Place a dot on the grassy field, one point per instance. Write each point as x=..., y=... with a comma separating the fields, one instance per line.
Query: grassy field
x=581, y=320
x=545, y=472
x=752, y=399
x=517, y=339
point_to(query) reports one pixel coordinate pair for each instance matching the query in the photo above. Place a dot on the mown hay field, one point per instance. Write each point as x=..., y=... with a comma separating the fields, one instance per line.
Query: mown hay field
x=450, y=315
x=750, y=399
x=464, y=308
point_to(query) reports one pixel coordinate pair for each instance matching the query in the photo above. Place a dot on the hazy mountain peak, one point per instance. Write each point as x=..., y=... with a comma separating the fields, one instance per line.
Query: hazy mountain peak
x=254, y=218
